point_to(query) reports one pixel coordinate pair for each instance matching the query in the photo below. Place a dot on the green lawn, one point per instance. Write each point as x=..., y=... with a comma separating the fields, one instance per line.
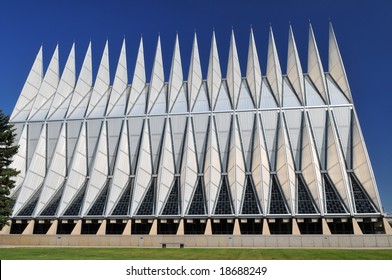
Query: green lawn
x=191, y=254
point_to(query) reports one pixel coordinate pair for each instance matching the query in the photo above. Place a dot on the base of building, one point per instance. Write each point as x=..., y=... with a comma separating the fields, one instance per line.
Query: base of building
x=187, y=241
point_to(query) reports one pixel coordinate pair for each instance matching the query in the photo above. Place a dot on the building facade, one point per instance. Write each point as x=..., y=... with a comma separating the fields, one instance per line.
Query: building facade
x=261, y=154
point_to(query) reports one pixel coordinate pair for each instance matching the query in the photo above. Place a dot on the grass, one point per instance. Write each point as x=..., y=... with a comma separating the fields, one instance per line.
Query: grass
x=191, y=254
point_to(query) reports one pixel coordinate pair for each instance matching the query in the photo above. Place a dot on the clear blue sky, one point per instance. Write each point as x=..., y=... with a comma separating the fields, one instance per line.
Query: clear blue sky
x=363, y=30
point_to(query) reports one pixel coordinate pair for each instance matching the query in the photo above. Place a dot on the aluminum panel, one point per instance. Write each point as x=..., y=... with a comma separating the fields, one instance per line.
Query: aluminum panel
x=73, y=132
x=293, y=120
x=233, y=75
x=56, y=173
x=294, y=69
x=35, y=175
x=223, y=99
x=33, y=134
x=246, y=127
x=342, y=116
x=318, y=122
x=189, y=170
x=100, y=94
x=157, y=126
x=135, y=126
x=223, y=129
x=335, y=95
x=122, y=170
x=157, y=76
x=114, y=127
x=214, y=75
x=159, y=106
x=82, y=92
x=269, y=121
x=47, y=90
x=52, y=138
x=267, y=100
x=93, y=132
x=99, y=173
x=139, y=108
x=62, y=97
x=180, y=104
x=200, y=128
x=29, y=91
x=195, y=77
x=274, y=72
x=178, y=126
x=290, y=99
x=313, y=98
x=253, y=71
x=245, y=101
x=77, y=171
x=201, y=102
x=176, y=78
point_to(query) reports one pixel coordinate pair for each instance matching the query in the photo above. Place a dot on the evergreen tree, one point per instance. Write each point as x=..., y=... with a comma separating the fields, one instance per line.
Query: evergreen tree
x=7, y=151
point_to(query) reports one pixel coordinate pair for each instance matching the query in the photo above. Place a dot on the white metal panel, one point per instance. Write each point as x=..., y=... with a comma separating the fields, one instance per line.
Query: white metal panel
x=201, y=102
x=139, y=79
x=118, y=97
x=178, y=126
x=78, y=171
x=223, y=100
x=139, y=107
x=310, y=166
x=335, y=64
x=19, y=161
x=246, y=127
x=157, y=126
x=159, y=106
x=100, y=94
x=176, y=78
x=294, y=69
x=313, y=98
x=214, y=76
x=260, y=166
x=33, y=133
x=122, y=170
x=35, y=175
x=114, y=127
x=189, y=168
x=236, y=169
x=336, y=168
x=274, y=72
x=223, y=129
x=180, y=104
x=157, y=76
x=73, y=132
x=93, y=132
x=82, y=92
x=233, y=75
x=290, y=99
x=342, y=117
x=285, y=169
x=335, y=95
x=52, y=138
x=244, y=100
x=212, y=169
x=135, y=126
x=318, y=121
x=253, y=71
x=99, y=171
x=361, y=164
x=29, y=91
x=143, y=171
x=62, y=98
x=267, y=100
x=269, y=121
x=315, y=68
x=200, y=128
x=56, y=173
x=166, y=169
x=294, y=126
x=195, y=78
x=47, y=90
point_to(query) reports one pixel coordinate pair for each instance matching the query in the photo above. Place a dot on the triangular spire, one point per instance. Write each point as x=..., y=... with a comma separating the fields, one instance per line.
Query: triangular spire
x=195, y=78
x=233, y=72
x=47, y=90
x=274, y=72
x=157, y=77
x=294, y=69
x=139, y=78
x=99, y=96
x=62, y=97
x=30, y=90
x=253, y=71
x=315, y=68
x=214, y=76
x=80, y=96
x=335, y=64
x=176, y=78
x=118, y=96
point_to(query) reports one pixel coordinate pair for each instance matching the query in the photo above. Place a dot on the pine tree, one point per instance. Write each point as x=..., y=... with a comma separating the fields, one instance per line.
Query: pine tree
x=7, y=150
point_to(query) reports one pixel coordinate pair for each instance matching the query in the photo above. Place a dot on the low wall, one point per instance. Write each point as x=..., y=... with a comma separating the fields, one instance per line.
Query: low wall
x=255, y=241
